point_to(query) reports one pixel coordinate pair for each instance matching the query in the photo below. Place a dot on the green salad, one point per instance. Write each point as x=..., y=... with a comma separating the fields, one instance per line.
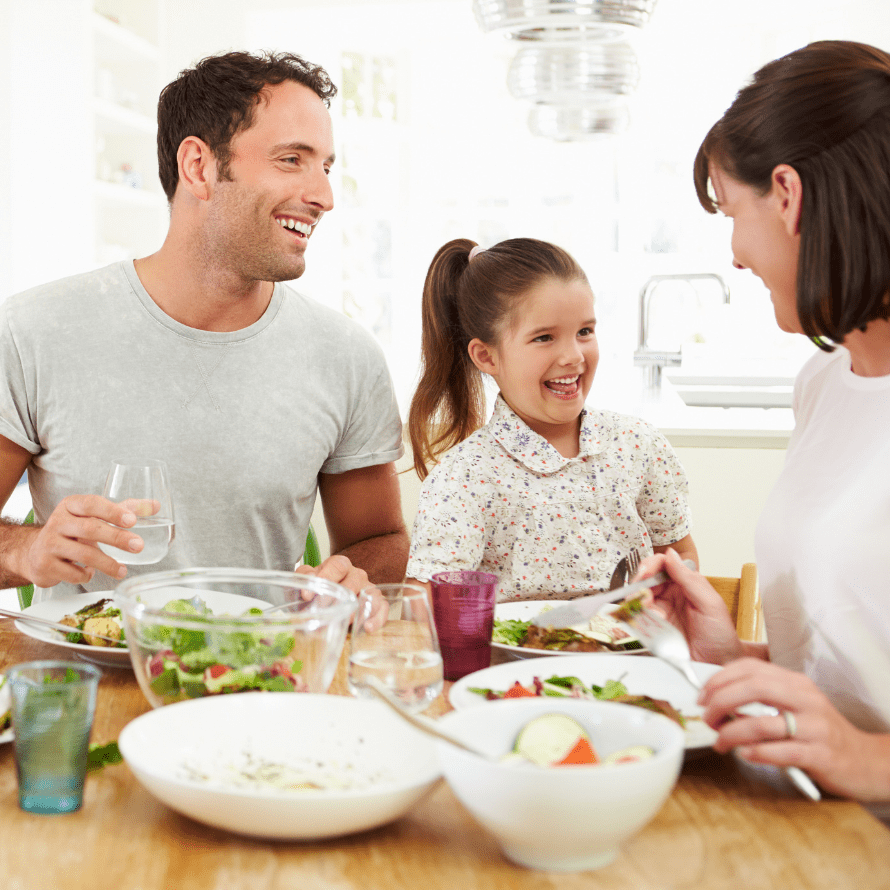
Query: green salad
x=191, y=663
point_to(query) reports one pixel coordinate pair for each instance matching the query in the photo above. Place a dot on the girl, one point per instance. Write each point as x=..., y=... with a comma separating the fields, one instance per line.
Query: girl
x=801, y=164
x=548, y=495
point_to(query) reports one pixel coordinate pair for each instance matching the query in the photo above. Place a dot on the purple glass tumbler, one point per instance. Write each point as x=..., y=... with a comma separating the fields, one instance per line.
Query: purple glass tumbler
x=463, y=607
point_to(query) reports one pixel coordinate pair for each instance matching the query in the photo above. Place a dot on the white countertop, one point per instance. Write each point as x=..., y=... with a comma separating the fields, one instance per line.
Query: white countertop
x=622, y=388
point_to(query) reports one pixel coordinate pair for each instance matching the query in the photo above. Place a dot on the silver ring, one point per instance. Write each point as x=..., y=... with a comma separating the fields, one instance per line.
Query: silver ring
x=790, y=723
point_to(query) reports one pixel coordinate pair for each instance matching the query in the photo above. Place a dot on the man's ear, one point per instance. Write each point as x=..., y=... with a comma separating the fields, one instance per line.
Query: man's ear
x=197, y=167
x=483, y=356
x=788, y=191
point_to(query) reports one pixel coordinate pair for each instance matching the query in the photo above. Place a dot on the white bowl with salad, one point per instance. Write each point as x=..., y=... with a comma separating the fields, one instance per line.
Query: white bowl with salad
x=183, y=648
x=548, y=807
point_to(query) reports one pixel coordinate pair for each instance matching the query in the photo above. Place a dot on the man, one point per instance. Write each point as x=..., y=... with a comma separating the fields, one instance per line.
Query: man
x=255, y=396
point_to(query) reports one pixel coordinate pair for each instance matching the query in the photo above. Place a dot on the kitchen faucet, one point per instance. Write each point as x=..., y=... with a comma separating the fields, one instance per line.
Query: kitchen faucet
x=656, y=359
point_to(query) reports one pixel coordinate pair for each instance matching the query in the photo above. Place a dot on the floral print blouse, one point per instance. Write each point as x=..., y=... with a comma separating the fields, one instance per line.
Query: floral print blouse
x=506, y=501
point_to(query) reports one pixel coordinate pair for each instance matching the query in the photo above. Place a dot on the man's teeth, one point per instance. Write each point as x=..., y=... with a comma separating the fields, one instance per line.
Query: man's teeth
x=295, y=224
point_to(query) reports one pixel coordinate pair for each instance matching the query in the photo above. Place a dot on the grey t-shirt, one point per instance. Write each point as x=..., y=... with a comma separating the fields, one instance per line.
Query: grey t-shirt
x=245, y=420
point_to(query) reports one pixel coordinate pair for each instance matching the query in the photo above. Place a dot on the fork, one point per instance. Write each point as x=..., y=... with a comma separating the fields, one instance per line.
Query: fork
x=666, y=642
x=633, y=562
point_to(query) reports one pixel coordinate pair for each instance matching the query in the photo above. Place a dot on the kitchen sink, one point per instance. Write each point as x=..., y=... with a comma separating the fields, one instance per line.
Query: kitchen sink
x=732, y=391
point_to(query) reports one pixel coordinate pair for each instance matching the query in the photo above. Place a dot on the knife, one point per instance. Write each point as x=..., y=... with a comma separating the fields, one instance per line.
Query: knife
x=584, y=608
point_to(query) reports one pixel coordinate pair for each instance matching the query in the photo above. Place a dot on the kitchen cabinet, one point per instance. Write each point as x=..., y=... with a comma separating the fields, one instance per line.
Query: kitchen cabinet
x=79, y=92
x=130, y=207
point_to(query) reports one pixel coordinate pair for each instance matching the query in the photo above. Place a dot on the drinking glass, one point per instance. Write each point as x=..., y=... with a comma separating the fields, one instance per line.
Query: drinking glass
x=145, y=486
x=403, y=654
x=53, y=703
x=463, y=603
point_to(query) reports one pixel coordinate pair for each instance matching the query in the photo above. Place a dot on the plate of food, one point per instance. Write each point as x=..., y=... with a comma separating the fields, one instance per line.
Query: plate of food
x=96, y=613
x=644, y=682
x=5, y=711
x=514, y=632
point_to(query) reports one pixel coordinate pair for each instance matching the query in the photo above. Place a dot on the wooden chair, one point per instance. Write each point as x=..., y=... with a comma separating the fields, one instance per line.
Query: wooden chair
x=742, y=597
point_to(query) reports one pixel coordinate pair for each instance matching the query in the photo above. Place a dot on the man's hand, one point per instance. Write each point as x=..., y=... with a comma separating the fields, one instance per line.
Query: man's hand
x=340, y=570
x=65, y=548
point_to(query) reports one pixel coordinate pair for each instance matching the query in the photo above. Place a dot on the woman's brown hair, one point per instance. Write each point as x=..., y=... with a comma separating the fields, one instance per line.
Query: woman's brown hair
x=825, y=111
x=464, y=300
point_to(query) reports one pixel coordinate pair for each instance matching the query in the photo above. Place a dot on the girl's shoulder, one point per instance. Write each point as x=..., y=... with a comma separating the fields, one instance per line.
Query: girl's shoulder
x=477, y=452
x=607, y=424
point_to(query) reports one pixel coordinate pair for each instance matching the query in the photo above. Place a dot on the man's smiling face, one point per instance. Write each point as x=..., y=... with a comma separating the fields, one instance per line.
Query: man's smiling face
x=275, y=187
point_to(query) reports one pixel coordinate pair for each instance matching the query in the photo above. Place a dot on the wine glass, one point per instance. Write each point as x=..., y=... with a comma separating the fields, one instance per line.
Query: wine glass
x=144, y=486
x=403, y=654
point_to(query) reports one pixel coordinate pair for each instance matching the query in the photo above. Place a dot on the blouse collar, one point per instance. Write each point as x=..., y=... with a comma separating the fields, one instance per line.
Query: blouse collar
x=531, y=449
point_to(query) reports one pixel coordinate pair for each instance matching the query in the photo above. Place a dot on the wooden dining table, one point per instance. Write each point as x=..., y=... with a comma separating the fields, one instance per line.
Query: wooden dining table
x=720, y=828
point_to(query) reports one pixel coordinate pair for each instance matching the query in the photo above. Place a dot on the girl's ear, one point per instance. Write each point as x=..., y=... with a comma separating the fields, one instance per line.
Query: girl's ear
x=484, y=357
x=788, y=190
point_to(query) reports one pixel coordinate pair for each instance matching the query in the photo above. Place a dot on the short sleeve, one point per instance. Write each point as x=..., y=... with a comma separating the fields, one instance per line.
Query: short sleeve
x=663, y=501
x=373, y=430
x=16, y=413
x=449, y=531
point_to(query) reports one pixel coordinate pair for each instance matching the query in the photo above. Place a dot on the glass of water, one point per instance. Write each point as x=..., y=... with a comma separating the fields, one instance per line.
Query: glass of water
x=145, y=486
x=403, y=654
x=53, y=703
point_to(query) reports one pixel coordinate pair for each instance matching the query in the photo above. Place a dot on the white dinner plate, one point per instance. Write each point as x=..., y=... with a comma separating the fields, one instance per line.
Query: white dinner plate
x=55, y=609
x=526, y=609
x=641, y=676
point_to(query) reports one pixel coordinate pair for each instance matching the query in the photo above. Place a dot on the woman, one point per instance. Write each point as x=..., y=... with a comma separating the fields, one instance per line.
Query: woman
x=801, y=163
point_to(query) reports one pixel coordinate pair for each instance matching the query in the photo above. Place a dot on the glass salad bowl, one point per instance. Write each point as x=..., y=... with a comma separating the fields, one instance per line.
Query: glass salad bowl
x=200, y=632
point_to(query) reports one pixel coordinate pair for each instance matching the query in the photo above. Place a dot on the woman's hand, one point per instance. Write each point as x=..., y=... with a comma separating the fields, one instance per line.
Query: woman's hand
x=841, y=758
x=689, y=602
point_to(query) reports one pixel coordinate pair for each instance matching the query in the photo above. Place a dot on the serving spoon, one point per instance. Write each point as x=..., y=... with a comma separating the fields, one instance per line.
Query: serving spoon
x=422, y=723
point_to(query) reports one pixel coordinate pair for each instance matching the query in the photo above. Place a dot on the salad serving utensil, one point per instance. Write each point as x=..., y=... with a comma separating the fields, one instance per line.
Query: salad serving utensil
x=422, y=723
x=666, y=642
x=55, y=625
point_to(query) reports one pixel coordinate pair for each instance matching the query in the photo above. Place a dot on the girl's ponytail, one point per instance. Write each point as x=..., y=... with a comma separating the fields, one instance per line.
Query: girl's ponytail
x=449, y=402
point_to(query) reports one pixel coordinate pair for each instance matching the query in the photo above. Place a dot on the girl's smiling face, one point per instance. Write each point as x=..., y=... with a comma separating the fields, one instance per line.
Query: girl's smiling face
x=546, y=359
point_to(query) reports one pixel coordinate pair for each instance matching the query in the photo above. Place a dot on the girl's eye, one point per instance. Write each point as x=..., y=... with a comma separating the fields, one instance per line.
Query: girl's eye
x=586, y=332
x=543, y=338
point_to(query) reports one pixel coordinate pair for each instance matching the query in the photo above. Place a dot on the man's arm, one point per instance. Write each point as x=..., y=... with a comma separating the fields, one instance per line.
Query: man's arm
x=63, y=549
x=363, y=514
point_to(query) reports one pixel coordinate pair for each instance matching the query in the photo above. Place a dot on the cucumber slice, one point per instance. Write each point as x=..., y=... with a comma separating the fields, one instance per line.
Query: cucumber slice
x=630, y=755
x=548, y=739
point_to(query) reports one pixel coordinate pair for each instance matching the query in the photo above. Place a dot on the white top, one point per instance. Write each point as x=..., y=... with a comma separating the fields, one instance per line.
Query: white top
x=506, y=501
x=824, y=537
x=93, y=370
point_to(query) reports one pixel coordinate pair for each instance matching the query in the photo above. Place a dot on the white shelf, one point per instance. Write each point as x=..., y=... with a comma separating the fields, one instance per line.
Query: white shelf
x=112, y=192
x=113, y=118
x=116, y=44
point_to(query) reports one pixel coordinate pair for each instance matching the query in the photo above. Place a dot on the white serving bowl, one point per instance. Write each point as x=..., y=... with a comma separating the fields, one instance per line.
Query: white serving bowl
x=176, y=656
x=389, y=765
x=566, y=818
